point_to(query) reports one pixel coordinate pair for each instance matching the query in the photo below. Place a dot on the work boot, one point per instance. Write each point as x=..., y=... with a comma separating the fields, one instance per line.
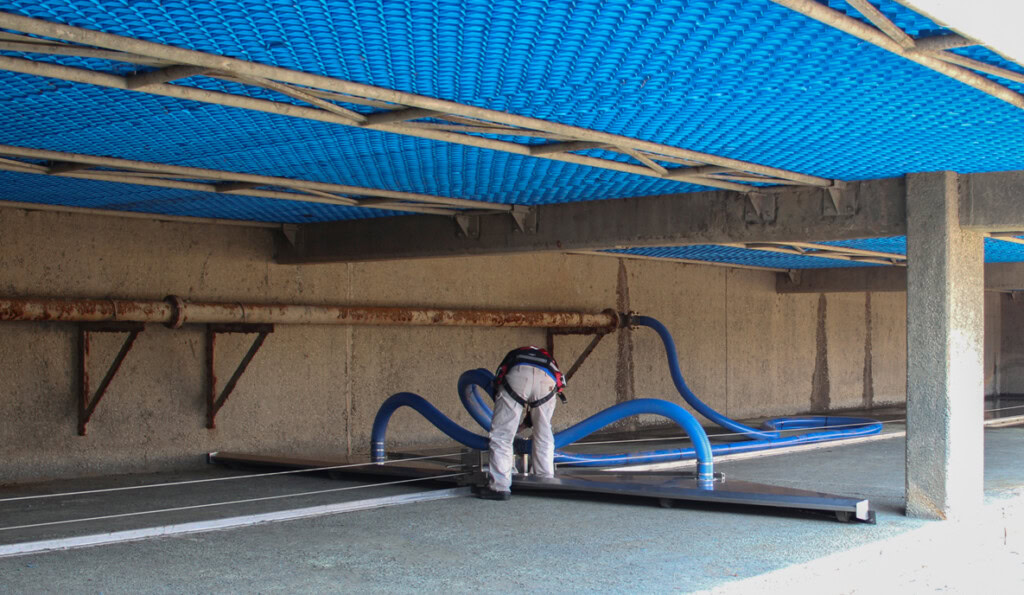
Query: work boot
x=487, y=493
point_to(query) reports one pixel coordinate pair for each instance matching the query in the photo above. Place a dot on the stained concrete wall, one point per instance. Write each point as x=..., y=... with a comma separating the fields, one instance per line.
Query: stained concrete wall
x=1011, y=353
x=994, y=341
x=313, y=390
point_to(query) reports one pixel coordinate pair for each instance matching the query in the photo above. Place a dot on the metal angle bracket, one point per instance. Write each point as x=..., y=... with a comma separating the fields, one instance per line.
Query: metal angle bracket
x=291, y=232
x=469, y=226
x=525, y=218
x=87, y=401
x=214, y=402
x=840, y=200
x=760, y=208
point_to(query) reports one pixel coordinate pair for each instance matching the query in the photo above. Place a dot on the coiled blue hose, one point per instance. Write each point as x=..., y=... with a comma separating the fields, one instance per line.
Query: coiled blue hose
x=701, y=449
x=768, y=437
x=472, y=381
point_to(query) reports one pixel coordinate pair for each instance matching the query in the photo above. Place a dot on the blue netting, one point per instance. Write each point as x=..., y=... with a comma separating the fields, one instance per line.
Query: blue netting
x=1000, y=251
x=995, y=251
x=986, y=55
x=746, y=79
x=916, y=25
x=168, y=201
x=893, y=245
x=742, y=256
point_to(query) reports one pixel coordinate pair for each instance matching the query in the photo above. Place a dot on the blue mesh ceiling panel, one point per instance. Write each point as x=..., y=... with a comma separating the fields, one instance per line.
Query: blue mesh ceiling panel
x=995, y=251
x=95, y=194
x=745, y=79
x=741, y=256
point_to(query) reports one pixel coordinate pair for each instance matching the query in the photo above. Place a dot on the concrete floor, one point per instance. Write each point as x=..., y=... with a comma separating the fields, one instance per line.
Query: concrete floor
x=535, y=543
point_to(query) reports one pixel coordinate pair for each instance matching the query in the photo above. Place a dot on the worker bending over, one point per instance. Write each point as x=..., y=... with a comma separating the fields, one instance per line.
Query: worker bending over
x=527, y=377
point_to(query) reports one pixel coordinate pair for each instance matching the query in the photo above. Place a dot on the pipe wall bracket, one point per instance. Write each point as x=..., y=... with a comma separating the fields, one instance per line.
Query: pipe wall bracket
x=87, y=401
x=214, y=402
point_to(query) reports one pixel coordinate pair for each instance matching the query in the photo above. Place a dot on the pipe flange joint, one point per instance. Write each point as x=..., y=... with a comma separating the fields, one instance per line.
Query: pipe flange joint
x=178, y=311
x=621, y=320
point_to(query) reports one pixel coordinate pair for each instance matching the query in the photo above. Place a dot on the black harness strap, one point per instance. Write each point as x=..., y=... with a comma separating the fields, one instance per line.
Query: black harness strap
x=529, y=405
x=519, y=399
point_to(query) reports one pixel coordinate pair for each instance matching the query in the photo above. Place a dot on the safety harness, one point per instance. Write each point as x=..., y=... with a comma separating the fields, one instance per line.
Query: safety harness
x=531, y=356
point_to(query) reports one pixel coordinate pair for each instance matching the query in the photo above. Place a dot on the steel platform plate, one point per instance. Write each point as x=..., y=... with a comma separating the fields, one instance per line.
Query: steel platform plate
x=685, y=487
x=665, y=486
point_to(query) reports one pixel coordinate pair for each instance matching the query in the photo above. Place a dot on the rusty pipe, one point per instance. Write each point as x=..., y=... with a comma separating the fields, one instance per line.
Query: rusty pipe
x=175, y=311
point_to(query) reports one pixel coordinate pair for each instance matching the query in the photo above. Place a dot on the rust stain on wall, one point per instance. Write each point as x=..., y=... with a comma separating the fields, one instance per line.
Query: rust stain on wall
x=820, y=383
x=624, y=379
x=868, y=396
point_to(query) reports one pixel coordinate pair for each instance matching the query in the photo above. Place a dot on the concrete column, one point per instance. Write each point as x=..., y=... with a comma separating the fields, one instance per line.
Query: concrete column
x=945, y=372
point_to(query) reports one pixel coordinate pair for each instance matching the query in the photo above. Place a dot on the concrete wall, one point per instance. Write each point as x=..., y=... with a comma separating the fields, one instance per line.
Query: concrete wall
x=1010, y=363
x=313, y=390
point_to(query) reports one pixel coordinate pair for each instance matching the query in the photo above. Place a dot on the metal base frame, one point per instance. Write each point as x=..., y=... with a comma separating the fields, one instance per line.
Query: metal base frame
x=667, y=487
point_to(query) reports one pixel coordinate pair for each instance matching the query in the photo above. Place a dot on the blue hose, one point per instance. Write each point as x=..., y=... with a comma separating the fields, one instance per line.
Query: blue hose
x=469, y=382
x=701, y=449
x=768, y=437
x=472, y=380
x=690, y=398
x=443, y=423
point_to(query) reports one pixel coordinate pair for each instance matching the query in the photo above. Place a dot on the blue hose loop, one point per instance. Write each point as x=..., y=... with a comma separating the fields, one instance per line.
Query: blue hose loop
x=851, y=427
x=469, y=383
x=471, y=379
x=440, y=420
x=690, y=398
x=769, y=437
x=701, y=445
x=701, y=449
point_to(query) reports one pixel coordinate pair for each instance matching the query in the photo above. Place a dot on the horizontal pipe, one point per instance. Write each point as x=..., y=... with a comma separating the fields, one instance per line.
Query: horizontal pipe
x=174, y=312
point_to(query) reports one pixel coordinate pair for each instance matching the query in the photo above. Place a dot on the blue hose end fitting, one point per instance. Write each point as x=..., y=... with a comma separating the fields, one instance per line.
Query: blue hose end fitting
x=377, y=453
x=705, y=473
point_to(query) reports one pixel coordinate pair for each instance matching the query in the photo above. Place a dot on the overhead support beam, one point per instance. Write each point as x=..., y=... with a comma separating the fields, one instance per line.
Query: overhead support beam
x=399, y=115
x=991, y=202
x=326, y=100
x=632, y=256
x=826, y=251
x=888, y=36
x=566, y=147
x=980, y=66
x=938, y=43
x=126, y=171
x=999, y=277
x=57, y=168
x=715, y=217
x=882, y=22
x=32, y=207
x=159, y=77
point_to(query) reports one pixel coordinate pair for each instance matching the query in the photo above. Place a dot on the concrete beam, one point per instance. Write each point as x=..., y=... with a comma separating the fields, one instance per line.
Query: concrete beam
x=992, y=202
x=874, y=208
x=999, y=276
x=945, y=375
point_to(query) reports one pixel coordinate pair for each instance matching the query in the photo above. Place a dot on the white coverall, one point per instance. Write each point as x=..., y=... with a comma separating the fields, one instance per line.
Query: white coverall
x=531, y=383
